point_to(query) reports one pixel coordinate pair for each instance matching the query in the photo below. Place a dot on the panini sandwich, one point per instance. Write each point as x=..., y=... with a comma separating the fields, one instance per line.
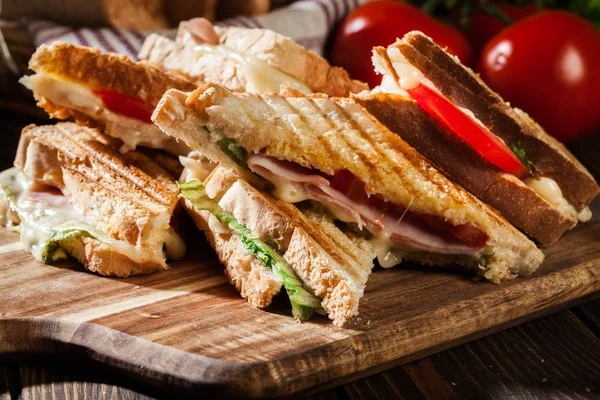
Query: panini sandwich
x=73, y=195
x=105, y=90
x=333, y=152
x=246, y=60
x=448, y=114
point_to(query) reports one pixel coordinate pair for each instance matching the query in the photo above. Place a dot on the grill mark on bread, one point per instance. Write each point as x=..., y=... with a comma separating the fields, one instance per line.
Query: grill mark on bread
x=326, y=244
x=299, y=111
x=89, y=150
x=94, y=169
x=513, y=250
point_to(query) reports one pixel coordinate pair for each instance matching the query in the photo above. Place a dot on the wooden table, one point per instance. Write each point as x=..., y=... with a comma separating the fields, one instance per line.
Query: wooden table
x=557, y=356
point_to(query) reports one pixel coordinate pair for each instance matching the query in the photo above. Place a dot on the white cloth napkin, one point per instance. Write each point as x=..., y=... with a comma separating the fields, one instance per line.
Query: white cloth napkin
x=308, y=22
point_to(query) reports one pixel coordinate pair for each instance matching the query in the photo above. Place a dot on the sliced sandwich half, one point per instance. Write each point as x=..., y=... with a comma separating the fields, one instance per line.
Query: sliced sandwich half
x=449, y=115
x=266, y=244
x=246, y=60
x=73, y=195
x=103, y=89
x=333, y=152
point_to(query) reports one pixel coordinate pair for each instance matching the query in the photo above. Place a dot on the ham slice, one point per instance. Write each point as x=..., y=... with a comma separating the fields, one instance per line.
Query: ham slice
x=405, y=231
x=47, y=195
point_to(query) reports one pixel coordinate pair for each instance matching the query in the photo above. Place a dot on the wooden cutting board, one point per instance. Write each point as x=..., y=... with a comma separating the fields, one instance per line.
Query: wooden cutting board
x=187, y=329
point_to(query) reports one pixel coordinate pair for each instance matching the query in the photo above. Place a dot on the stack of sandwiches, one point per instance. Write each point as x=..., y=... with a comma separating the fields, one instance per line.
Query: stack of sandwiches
x=299, y=176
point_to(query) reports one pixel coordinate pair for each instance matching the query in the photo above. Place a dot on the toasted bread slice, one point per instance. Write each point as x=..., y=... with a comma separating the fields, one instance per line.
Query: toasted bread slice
x=70, y=81
x=517, y=202
x=331, y=264
x=336, y=134
x=261, y=46
x=125, y=211
x=548, y=157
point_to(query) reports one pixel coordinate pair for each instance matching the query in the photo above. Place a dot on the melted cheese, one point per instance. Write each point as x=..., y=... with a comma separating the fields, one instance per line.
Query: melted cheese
x=131, y=131
x=217, y=227
x=260, y=76
x=62, y=92
x=174, y=245
x=195, y=167
x=550, y=191
x=409, y=76
x=40, y=219
x=387, y=255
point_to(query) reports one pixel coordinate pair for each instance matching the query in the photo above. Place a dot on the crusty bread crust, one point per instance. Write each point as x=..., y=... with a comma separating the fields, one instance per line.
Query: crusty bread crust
x=275, y=49
x=519, y=204
x=127, y=203
x=96, y=257
x=111, y=71
x=549, y=158
x=341, y=135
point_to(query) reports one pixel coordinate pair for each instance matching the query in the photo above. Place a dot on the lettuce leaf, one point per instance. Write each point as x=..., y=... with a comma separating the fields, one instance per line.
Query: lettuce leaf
x=237, y=153
x=304, y=304
x=60, y=244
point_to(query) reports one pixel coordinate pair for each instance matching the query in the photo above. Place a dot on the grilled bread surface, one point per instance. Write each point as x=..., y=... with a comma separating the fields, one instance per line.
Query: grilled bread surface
x=277, y=50
x=127, y=203
x=518, y=203
x=331, y=134
x=465, y=89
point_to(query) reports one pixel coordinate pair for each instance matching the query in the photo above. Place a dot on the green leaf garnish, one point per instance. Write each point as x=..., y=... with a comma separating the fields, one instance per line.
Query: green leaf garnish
x=485, y=259
x=304, y=304
x=522, y=156
x=237, y=153
x=60, y=244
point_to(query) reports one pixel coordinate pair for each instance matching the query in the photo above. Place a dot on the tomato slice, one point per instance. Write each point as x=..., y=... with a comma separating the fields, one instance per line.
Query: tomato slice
x=125, y=105
x=462, y=126
x=345, y=182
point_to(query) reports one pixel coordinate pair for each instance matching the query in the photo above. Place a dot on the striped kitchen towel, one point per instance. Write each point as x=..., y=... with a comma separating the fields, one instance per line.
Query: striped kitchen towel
x=308, y=22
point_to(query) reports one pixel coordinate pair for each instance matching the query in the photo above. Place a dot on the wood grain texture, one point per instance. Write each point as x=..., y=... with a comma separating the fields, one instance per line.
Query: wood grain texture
x=536, y=360
x=187, y=327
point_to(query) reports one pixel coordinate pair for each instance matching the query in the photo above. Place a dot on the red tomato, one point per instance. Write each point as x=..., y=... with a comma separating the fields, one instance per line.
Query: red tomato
x=547, y=65
x=379, y=23
x=482, y=27
x=125, y=105
x=458, y=123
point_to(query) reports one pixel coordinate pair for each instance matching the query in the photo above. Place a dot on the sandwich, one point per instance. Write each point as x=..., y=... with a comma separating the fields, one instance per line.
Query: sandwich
x=104, y=90
x=246, y=60
x=448, y=114
x=332, y=152
x=266, y=244
x=73, y=195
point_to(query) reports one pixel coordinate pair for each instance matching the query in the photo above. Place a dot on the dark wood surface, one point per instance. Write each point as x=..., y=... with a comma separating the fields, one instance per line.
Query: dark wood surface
x=556, y=356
